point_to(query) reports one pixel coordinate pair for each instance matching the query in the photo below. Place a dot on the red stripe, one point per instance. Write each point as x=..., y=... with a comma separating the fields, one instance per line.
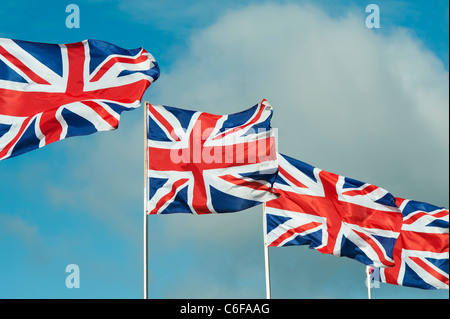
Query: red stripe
x=375, y=247
x=15, y=103
x=440, y=214
x=391, y=274
x=52, y=129
x=29, y=73
x=75, y=54
x=104, y=114
x=242, y=182
x=162, y=159
x=8, y=146
x=107, y=66
x=290, y=178
x=254, y=120
x=50, y=126
x=169, y=195
x=200, y=195
x=163, y=122
x=366, y=190
x=399, y=201
x=293, y=231
x=437, y=243
x=416, y=216
x=430, y=270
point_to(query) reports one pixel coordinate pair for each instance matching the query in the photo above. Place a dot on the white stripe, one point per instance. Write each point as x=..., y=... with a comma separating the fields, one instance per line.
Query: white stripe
x=175, y=124
x=297, y=219
x=12, y=133
x=421, y=224
x=312, y=188
x=367, y=200
x=161, y=192
x=35, y=66
x=365, y=247
x=89, y=114
x=111, y=77
x=62, y=122
x=38, y=132
x=233, y=137
x=422, y=273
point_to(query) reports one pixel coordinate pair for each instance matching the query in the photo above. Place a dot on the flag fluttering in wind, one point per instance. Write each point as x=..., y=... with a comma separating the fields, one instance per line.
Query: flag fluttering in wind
x=421, y=253
x=49, y=92
x=202, y=163
x=333, y=214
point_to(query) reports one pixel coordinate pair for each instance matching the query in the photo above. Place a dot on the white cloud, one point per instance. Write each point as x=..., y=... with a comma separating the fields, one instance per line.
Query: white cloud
x=346, y=98
x=25, y=233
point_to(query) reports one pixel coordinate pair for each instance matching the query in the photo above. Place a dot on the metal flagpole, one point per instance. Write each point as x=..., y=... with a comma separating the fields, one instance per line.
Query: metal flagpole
x=266, y=253
x=145, y=204
x=368, y=282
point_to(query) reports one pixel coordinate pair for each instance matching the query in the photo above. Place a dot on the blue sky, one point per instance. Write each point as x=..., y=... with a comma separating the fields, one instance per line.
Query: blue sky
x=365, y=103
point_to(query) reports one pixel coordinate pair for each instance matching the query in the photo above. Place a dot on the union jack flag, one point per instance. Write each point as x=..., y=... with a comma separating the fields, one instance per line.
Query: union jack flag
x=332, y=213
x=52, y=91
x=421, y=253
x=202, y=163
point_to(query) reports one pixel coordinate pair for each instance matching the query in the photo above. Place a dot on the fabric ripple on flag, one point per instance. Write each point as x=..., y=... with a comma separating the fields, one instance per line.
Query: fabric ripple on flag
x=332, y=214
x=421, y=253
x=49, y=92
x=202, y=163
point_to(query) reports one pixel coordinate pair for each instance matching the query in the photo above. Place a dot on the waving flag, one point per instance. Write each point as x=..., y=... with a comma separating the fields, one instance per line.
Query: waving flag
x=202, y=163
x=52, y=91
x=333, y=214
x=421, y=253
